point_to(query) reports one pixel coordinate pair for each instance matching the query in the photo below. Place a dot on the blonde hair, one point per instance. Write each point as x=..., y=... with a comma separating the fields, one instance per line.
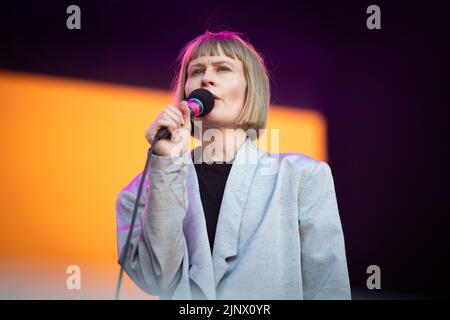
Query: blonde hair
x=257, y=100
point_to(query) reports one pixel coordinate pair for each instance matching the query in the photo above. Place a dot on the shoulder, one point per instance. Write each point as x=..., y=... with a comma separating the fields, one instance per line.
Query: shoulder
x=298, y=166
x=298, y=160
x=295, y=161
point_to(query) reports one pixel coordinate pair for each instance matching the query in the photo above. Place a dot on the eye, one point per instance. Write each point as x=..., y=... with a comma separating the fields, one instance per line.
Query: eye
x=195, y=71
x=223, y=68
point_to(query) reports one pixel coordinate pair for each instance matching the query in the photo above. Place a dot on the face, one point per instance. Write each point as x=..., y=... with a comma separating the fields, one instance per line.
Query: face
x=224, y=78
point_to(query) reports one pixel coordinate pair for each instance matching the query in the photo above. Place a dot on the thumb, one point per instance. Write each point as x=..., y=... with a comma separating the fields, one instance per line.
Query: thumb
x=183, y=106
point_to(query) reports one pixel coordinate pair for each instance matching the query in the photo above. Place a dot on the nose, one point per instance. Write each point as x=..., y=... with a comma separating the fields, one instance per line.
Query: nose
x=208, y=78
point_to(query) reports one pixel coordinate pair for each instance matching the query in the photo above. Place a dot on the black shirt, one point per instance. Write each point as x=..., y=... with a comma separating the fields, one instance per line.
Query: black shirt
x=211, y=180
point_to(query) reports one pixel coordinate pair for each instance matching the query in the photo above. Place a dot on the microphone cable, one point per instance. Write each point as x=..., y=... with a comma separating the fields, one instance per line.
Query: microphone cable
x=162, y=133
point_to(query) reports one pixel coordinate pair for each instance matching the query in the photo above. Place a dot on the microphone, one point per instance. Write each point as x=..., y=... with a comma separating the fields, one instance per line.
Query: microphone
x=200, y=103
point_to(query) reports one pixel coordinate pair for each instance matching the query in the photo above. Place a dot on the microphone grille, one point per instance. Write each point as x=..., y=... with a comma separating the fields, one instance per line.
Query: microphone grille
x=205, y=97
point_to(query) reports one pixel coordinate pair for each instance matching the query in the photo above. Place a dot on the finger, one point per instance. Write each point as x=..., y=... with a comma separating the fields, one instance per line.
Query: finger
x=176, y=136
x=175, y=109
x=177, y=117
x=169, y=116
x=169, y=124
x=174, y=119
x=183, y=107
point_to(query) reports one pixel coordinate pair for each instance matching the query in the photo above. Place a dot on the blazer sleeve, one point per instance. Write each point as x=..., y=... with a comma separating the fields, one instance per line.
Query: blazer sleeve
x=323, y=259
x=158, y=245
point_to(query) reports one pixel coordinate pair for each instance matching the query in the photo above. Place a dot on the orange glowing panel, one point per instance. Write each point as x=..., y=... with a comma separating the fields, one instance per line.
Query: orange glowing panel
x=68, y=148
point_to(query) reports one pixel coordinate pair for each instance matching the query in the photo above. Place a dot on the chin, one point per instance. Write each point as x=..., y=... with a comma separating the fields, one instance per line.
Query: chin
x=213, y=117
x=212, y=122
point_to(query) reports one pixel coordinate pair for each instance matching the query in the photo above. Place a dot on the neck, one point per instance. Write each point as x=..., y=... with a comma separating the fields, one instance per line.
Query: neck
x=222, y=145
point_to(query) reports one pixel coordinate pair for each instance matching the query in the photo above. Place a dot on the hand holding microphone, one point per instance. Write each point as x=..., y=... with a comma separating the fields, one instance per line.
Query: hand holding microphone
x=173, y=124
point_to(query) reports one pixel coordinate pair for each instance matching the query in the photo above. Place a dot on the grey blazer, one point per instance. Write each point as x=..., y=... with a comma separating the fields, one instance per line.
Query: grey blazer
x=278, y=236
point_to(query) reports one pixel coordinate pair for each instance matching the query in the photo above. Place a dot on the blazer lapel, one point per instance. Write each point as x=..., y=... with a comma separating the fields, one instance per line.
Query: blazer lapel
x=200, y=260
x=233, y=205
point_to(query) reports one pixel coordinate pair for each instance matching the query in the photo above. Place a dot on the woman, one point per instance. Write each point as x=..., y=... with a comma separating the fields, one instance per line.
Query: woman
x=215, y=223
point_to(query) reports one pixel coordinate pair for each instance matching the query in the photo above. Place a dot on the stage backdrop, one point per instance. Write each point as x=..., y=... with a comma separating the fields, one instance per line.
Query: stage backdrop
x=68, y=147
